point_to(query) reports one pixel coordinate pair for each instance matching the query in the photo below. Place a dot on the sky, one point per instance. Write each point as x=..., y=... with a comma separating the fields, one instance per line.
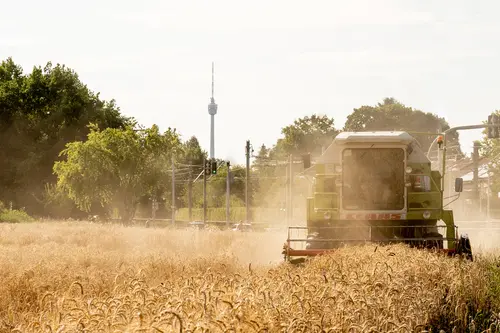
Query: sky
x=275, y=61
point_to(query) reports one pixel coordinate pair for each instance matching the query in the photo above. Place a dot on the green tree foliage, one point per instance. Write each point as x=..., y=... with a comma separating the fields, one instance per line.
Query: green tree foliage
x=393, y=115
x=306, y=135
x=190, y=167
x=216, y=188
x=40, y=113
x=490, y=149
x=116, y=167
x=193, y=155
x=13, y=215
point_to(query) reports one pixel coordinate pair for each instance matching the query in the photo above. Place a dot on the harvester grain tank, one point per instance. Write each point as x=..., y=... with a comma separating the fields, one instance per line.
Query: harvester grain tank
x=376, y=187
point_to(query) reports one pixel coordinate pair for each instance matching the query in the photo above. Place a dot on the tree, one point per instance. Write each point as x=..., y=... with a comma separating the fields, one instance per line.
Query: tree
x=116, y=167
x=490, y=150
x=192, y=158
x=306, y=135
x=262, y=162
x=39, y=114
x=392, y=115
x=190, y=167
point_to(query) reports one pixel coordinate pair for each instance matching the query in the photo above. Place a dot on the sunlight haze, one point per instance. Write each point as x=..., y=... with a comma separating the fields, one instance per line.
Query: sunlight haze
x=275, y=61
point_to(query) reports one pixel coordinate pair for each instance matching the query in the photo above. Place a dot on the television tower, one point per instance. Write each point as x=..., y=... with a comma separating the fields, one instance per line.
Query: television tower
x=212, y=111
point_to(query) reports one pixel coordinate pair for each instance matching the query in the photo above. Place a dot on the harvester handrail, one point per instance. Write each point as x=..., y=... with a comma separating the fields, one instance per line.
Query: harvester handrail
x=369, y=226
x=424, y=208
x=422, y=133
x=319, y=240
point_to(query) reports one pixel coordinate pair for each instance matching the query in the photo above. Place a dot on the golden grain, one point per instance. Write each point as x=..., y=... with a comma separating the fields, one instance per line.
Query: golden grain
x=67, y=277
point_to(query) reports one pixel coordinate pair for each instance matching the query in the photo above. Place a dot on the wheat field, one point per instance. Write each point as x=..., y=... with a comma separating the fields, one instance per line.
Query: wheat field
x=81, y=277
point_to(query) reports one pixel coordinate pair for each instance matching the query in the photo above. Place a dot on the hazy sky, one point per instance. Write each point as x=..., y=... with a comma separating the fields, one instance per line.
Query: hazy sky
x=275, y=61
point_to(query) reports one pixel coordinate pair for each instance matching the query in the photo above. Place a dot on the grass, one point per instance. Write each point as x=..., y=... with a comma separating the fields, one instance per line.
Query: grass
x=80, y=277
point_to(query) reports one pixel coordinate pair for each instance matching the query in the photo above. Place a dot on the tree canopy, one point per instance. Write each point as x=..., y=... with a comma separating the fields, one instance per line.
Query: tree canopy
x=490, y=149
x=116, y=167
x=392, y=115
x=306, y=135
x=40, y=113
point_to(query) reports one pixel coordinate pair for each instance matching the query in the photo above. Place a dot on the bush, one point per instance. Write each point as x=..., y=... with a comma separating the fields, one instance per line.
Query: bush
x=14, y=216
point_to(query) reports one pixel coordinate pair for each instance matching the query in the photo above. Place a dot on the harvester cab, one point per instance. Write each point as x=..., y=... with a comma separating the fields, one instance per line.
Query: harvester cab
x=375, y=187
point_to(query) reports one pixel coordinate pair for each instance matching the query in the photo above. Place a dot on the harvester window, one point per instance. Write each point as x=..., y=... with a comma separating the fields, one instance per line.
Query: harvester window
x=420, y=183
x=373, y=179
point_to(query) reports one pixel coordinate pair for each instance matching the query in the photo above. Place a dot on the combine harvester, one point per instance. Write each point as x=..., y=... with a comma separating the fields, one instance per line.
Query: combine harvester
x=376, y=187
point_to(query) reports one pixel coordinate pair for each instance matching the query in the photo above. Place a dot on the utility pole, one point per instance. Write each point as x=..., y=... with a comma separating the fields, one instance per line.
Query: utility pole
x=488, y=197
x=287, y=194
x=290, y=161
x=190, y=194
x=228, y=193
x=475, y=179
x=204, y=191
x=247, y=152
x=173, y=190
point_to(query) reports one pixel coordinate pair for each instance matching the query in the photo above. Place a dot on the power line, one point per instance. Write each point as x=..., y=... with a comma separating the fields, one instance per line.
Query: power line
x=190, y=165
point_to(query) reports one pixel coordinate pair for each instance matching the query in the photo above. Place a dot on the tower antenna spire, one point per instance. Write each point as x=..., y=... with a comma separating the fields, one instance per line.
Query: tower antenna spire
x=212, y=111
x=213, y=81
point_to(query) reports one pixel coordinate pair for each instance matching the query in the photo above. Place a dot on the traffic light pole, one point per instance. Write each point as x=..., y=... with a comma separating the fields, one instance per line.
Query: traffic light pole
x=457, y=129
x=173, y=190
x=475, y=178
x=442, y=137
x=247, y=188
x=492, y=123
x=290, y=189
x=228, y=193
x=190, y=195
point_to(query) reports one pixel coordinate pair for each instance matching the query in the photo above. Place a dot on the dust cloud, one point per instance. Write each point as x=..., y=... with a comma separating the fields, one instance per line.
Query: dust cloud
x=484, y=235
x=21, y=244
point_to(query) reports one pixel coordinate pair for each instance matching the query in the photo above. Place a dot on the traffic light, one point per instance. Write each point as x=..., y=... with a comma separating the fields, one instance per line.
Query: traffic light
x=213, y=167
x=493, y=132
x=207, y=167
